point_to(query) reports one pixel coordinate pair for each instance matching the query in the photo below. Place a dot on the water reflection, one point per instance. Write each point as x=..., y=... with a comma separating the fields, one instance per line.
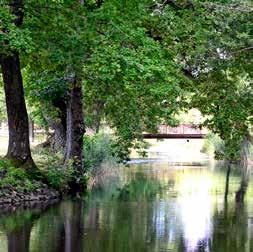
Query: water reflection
x=156, y=209
x=18, y=227
x=232, y=226
x=195, y=204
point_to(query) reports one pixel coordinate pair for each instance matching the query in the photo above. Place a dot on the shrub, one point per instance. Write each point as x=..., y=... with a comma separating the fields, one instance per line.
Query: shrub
x=214, y=145
x=57, y=175
x=15, y=177
x=98, y=149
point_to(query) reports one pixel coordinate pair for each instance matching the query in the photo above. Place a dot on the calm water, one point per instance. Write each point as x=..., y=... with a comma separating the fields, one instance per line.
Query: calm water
x=146, y=207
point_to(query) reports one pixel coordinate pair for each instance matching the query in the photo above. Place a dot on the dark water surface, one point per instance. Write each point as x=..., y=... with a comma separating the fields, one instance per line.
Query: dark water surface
x=157, y=208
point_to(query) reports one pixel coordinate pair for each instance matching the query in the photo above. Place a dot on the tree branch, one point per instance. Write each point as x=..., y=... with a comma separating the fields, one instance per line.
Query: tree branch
x=210, y=6
x=242, y=50
x=230, y=7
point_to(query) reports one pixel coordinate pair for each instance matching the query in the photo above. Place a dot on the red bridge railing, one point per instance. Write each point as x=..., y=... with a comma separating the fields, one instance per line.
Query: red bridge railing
x=181, y=129
x=189, y=131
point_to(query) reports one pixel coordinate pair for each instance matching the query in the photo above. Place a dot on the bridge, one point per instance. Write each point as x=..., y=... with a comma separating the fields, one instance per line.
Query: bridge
x=187, y=131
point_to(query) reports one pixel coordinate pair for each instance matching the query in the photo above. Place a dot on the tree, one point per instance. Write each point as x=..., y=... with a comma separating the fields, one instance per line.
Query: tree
x=212, y=43
x=133, y=64
x=130, y=81
x=47, y=99
x=217, y=60
x=19, y=147
x=57, y=59
x=128, y=78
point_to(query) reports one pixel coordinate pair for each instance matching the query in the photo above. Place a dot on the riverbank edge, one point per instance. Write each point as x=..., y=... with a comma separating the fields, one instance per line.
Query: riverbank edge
x=9, y=197
x=13, y=197
x=43, y=194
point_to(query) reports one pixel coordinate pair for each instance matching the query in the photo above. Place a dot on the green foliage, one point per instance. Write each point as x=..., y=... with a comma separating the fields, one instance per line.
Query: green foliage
x=212, y=41
x=140, y=60
x=15, y=177
x=136, y=84
x=141, y=147
x=214, y=145
x=226, y=98
x=51, y=163
x=58, y=32
x=140, y=63
x=12, y=37
x=57, y=176
x=98, y=149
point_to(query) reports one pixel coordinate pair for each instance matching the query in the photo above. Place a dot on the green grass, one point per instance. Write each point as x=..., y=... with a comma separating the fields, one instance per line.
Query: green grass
x=15, y=178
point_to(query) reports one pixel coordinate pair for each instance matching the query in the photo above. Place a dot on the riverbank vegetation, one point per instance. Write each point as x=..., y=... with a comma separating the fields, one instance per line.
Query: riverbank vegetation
x=70, y=66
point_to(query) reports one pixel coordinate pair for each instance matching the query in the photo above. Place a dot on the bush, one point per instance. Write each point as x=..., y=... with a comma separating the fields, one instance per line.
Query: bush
x=57, y=175
x=214, y=145
x=98, y=149
x=15, y=177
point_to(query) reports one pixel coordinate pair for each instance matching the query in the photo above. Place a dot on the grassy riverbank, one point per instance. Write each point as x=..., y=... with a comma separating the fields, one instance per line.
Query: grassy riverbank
x=17, y=185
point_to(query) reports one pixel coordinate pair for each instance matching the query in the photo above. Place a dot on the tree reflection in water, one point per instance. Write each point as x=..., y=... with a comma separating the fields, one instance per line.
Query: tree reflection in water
x=18, y=226
x=232, y=229
x=156, y=210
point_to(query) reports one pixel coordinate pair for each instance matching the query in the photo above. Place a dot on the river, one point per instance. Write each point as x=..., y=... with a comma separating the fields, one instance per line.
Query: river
x=144, y=207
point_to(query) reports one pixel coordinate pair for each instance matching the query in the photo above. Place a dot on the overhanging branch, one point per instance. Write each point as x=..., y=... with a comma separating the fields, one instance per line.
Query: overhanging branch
x=250, y=48
x=176, y=5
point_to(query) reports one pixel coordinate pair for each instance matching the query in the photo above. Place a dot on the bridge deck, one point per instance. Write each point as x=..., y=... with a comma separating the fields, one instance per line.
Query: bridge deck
x=171, y=136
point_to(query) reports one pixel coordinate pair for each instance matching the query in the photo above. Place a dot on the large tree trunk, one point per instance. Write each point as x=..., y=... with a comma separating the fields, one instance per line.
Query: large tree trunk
x=60, y=127
x=19, y=147
x=75, y=132
x=57, y=140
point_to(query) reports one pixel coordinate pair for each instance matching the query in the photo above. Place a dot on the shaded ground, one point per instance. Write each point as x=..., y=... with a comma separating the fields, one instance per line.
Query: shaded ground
x=4, y=143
